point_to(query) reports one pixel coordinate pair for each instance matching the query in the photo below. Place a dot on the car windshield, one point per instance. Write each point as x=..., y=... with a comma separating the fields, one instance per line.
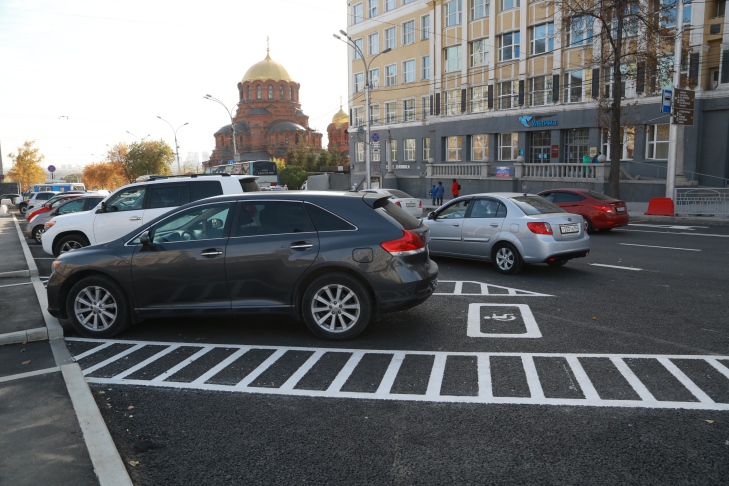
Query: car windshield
x=535, y=205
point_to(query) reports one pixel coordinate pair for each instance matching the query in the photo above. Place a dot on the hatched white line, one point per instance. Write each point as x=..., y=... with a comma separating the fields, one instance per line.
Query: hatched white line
x=662, y=247
x=220, y=366
x=390, y=374
x=582, y=379
x=484, y=377
x=146, y=362
x=719, y=367
x=126, y=352
x=303, y=369
x=260, y=369
x=346, y=371
x=183, y=363
x=615, y=266
x=685, y=381
x=535, y=388
x=93, y=350
x=29, y=374
x=633, y=380
x=436, y=375
x=16, y=284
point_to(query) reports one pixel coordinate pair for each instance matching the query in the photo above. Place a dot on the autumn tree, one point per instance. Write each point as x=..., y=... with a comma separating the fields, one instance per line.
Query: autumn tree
x=144, y=157
x=75, y=177
x=27, y=168
x=103, y=175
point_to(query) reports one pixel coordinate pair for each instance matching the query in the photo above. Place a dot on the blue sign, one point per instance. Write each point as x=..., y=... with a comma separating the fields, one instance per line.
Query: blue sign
x=529, y=122
x=51, y=168
x=666, y=103
x=231, y=162
x=375, y=137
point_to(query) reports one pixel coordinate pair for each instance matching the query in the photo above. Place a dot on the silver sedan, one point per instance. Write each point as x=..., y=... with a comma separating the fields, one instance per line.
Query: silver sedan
x=411, y=204
x=510, y=229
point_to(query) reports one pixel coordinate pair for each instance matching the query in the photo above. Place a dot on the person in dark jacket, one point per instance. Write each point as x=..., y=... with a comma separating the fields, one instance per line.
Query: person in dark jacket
x=432, y=194
x=455, y=188
x=439, y=190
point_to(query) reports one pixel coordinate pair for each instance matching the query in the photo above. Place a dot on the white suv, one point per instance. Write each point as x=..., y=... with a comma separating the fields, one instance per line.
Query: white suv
x=135, y=204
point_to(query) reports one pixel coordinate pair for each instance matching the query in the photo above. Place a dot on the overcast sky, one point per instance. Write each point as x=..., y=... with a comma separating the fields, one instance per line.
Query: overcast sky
x=76, y=75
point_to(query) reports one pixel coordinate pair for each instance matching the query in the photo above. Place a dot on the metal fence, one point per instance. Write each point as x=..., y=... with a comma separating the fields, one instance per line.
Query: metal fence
x=702, y=202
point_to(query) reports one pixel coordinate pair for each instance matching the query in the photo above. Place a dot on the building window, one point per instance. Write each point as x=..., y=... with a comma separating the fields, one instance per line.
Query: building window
x=542, y=38
x=453, y=149
x=291, y=93
x=453, y=57
x=425, y=106
x=357, y=13
x=657, y=146
x=374, y=113
x=508, y=146
x=509, y=4
x=373, y=43
x=390, y=38
x=375, y=78
x=668, y=15
x=452, y=101
x=270, y=92
x=508, y=93
x=628, y=141
x=391, y=75
x=425, y=27
x=408, y=32
x=358, y=116
x=573, y=86
x=452, y=13
x=479, y=98
x=576, y=145
x=408, y=71
x=479, y=9
x=479, y=147
x=509, y=46
x=579, y=31
x=358, y=82
x=479, y=52
x=391, y=112
x=608, y=90
x=258, y=92
x=720, y=8
x=248, y=93
x=373, y=7
x=408, y=146
x=426, y=149
x=540, y=90
x=408, y=110
x=280, y=92
x=393, y=150
x=426, y=67
x=390, y=5
x=359, y=44
x=360, y=151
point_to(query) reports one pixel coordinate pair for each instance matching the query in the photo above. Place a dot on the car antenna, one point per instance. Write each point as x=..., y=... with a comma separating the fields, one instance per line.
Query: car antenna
x=525, y=188
x=360, y=183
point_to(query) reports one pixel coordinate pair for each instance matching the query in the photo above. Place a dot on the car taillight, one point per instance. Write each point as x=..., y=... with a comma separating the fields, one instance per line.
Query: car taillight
x=607, y=209
x=398, y=203
x=409, y=244
x=540, y=228
x=420, y=204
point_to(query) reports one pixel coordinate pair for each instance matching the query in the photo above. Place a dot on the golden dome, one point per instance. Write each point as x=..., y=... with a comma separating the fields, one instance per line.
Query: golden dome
x=340, y=118
x=267, y=69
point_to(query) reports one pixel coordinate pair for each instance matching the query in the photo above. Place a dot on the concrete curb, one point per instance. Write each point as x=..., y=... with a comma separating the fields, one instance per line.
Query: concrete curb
x=37, y=334
x=32, y=267
x=15, y=274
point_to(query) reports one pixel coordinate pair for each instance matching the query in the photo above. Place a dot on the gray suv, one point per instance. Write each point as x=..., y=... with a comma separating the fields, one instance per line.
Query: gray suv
x=333, y=260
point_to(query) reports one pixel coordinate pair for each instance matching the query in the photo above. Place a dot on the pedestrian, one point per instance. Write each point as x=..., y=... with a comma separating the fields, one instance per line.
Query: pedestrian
x=595, y=159
x=432, y=194
x=439, y=190
x=455, y=188
x=585, y=160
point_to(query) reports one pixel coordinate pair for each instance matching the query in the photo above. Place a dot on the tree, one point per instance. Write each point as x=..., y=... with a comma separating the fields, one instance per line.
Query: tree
x=75, y=177
x=27, y=169
x=292, y=177
x=143, y=157
x=624, y=40
x=103, y=175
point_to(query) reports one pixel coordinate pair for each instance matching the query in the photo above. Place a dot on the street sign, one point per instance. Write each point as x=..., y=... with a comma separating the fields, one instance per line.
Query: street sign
x=685, y=99
x=51, y=168
x=375, y=137
x=666, y=101
x=231, y=162
x=683, y=117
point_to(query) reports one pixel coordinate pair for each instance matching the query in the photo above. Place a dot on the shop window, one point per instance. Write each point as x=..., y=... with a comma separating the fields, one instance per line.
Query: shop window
x=576, y=145
x=479, y=147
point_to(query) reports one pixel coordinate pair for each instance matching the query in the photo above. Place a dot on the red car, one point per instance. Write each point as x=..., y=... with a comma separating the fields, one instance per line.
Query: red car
x=601, y=212
x=50, y=204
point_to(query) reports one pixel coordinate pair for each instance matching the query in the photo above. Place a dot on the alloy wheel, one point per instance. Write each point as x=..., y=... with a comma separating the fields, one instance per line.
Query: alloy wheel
x=95, y=308
x=335, y=308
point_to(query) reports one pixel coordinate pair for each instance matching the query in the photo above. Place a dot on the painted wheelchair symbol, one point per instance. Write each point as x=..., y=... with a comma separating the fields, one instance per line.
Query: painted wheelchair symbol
x=504, y=317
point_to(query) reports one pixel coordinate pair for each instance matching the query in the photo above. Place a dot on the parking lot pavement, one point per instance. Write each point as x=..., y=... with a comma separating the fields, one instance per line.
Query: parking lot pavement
x=53, y=432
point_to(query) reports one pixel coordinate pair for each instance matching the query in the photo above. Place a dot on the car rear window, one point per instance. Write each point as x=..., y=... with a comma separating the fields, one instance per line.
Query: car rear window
x=326, y=221
x=406, y=220
x=203, y=189
x=398, y=193
x=249, y=185
x=599, y=197
x=535, y=205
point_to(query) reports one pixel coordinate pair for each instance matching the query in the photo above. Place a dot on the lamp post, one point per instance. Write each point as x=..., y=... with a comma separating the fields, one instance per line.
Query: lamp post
x=177, y=147
x=236, y=157
x=130, y=133
x=350, y=42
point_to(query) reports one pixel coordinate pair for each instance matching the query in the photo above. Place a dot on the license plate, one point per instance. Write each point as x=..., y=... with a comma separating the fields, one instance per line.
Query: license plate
x=620, y=209
x=569, y=228
x=410, y=205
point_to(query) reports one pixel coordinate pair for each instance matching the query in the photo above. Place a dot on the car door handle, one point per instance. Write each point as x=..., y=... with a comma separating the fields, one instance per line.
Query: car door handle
x=211, y=252
x=135, y=218
x=494, y=225
x=301, y=245
x=456, y=225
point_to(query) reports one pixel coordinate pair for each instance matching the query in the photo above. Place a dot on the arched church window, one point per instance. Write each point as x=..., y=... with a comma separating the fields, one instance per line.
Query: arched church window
x=291, y=93
x=258, y=92
x=270, y=92
x=297, y=138
x=248, y=93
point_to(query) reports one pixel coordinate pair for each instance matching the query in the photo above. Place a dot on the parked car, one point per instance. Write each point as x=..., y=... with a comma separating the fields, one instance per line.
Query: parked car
x=510, y=229
x=411, y=204
x=135, y=204
x=12, y=197
x=36, y=226
x=601, y=212
x=51, y=203
x=35, y=199
x=332, y=259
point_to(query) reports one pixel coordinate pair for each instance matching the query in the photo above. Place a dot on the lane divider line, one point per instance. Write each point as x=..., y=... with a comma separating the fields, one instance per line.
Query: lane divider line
x=28, y=374
x=616, y=266
x=662, y=247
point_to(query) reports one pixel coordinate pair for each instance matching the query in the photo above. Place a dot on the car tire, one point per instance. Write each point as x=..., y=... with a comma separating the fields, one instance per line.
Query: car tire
x=68, y=243
x=590, y=226
x=507, y=259
x=23, y=209
x=336, y=307
x=37, y=233
x=97, y=307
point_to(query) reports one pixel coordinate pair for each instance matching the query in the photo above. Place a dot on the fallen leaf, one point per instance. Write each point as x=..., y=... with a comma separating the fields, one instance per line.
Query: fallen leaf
x=26, y=362
x=102, y=392
x=131, y=416
x=22, y=350
x=134, y=463
x=130, y=407
x=594, y=318
x=709, y=421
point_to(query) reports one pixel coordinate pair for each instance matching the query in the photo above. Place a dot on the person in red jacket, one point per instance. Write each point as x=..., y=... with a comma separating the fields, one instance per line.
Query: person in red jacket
x=455, y=188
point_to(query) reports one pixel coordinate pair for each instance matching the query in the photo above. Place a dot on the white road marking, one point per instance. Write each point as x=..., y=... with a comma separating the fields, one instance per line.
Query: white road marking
x=487, y=289
x=28, y=374
x=485, y=394
x=674, y=233
x=16, y=284
x=668, y=226
x=474, y=322
x=616, y=266
x=663, y=247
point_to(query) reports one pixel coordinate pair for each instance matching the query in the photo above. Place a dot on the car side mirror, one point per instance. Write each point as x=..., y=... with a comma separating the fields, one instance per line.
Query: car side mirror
x=432, y=215
x=145, y=238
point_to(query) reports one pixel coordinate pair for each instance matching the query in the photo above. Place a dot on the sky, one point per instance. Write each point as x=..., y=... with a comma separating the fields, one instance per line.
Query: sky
x=77, y=75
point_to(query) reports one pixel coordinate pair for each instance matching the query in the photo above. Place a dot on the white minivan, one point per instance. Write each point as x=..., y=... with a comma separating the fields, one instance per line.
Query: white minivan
x=135, y=204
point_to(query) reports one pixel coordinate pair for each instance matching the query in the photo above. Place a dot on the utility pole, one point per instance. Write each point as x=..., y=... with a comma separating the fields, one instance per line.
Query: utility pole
x=675, y=131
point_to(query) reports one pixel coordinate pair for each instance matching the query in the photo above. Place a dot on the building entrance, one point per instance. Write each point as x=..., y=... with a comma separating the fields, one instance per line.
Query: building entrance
x=540, y=147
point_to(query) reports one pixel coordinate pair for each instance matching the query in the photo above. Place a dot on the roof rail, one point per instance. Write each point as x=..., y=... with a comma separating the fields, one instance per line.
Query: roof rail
x=154, y=177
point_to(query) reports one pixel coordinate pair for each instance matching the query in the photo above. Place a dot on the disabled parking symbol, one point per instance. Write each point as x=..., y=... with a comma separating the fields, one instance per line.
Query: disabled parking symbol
x=502, y=321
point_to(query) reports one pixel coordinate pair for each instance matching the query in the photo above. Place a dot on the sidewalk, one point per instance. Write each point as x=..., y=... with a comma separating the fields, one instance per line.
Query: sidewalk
x=52, y=430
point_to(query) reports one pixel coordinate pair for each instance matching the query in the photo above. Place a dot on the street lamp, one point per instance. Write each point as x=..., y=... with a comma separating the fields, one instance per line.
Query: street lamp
x=350, y=42
x=177, y=147
x=130, y=133
x=236, y=157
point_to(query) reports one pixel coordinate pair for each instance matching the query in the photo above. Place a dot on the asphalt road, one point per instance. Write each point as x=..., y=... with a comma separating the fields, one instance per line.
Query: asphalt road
x=577, y=361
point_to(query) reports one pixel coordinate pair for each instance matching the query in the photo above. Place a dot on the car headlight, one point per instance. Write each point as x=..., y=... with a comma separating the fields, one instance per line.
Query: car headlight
x=48, y=225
